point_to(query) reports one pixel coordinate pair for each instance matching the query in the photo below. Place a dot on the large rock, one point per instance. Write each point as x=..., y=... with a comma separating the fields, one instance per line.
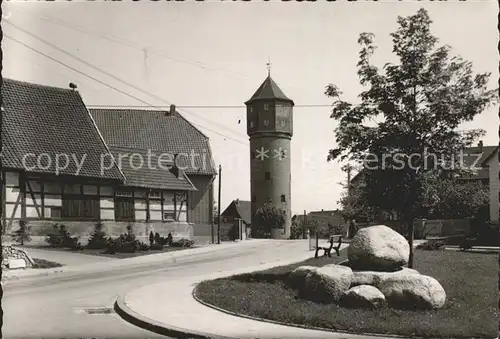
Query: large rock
x=327, y=284
x=374, y=278
x=297, y=277
x=414, y=291
x=378, y=248
x=363, y=296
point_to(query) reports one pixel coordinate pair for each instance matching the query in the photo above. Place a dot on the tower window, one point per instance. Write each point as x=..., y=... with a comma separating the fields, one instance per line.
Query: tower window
x=283, y=199
x=268, y=175
x=254, y=198
x=266, y=107
x=251, y=109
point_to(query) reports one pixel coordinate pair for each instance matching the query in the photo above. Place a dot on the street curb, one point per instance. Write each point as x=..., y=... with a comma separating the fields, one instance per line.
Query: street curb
x=151, y=325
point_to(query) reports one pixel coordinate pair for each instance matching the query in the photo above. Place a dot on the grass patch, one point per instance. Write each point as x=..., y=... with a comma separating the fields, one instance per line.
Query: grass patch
x=41, y=263
x=469, y=279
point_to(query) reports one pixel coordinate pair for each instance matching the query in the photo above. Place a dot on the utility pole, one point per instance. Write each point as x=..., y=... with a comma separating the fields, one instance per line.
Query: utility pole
x=218, y=205
x=305, y=229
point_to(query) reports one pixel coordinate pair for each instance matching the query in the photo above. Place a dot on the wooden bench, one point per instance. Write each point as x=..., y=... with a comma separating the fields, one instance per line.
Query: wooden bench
x=328, y=249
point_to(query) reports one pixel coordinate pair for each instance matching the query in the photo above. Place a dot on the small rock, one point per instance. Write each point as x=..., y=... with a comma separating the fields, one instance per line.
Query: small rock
x=378, y=248
x=327, y=284
x=374, y=278
x=363, y=296
x=414, y=291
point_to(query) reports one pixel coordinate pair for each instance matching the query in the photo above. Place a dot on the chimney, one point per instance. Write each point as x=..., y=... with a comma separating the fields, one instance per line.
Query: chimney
x=172, y=110
x=237, y=201
x=480, y=145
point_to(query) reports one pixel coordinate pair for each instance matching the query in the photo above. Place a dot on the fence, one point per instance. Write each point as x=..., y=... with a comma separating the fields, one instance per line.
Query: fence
x=428, y=228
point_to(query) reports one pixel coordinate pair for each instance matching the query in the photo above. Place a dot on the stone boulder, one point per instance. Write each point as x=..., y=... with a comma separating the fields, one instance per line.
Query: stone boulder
x=374, y=278
x=363, y=296
x=297, y=277
x=414, y=291
x=327, y=284
x=378, y=248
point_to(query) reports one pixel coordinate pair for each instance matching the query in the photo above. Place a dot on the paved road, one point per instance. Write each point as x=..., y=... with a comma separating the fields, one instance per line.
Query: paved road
x=54, y=306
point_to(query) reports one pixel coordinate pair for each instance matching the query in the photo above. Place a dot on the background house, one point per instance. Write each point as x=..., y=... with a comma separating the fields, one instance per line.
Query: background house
x=236, y=219
x=42, y=124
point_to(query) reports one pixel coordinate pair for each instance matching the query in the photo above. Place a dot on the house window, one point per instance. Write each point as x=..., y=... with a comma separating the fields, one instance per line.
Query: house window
x=124, y=209
x=155, y=194
x=268, y=175
x=283, y=199
x=80, y=207
x=266, y=107
x=123, y=194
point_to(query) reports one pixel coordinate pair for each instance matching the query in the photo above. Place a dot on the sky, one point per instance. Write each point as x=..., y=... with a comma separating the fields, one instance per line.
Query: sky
x=215, y=54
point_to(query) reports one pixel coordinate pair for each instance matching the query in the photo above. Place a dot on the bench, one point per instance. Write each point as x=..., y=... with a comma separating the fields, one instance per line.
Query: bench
x=328, y=249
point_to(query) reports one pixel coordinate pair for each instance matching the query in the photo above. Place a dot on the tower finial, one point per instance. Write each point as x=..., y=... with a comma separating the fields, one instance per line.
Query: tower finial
x=268, y=66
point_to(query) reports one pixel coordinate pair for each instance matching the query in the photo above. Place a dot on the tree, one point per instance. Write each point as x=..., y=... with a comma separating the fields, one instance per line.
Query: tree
x=267, y=217
x=453, y=199
x=22, y=234
x=422, y=101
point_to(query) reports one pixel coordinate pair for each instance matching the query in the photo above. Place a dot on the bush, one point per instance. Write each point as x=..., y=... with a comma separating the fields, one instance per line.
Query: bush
x=60, y=237
x=98, y=238
x=183, y=243
x=151, y=238
x=432, y=245
x=125, y=243
x=22, y=235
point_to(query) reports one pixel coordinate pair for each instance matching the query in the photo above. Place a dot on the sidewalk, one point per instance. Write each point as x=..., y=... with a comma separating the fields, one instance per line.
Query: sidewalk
x=113, y=264
x=170, y=309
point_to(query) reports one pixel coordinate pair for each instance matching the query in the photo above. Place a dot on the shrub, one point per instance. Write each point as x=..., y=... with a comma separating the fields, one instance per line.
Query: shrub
x=151, y=238
x=183, y=243
x=432, y=245
x=60, y=237
x=98, y=238
x=22, y=235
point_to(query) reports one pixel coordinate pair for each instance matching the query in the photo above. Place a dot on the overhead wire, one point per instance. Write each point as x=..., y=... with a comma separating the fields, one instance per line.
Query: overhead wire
x=108, y=85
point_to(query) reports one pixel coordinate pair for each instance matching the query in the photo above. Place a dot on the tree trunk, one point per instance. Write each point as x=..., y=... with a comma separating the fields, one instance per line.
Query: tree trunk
x=411, y=231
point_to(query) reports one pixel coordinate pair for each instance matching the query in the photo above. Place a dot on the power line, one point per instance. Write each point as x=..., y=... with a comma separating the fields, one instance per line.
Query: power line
x=105, y=84
x=116, y=78
x=131, y=44
x=206, y=106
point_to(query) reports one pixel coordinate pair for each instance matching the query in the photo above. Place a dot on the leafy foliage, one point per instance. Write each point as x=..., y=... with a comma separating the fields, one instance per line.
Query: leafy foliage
x=421, y=100
x=60, y=237
x=22, y=234
x=267, y=217
x=452, y=199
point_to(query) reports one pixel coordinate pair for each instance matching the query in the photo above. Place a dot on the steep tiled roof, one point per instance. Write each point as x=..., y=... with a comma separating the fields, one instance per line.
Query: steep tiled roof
x=158, y=131
x=239, y=209
x=47, y=120
x=269, y=90
x=141, y=172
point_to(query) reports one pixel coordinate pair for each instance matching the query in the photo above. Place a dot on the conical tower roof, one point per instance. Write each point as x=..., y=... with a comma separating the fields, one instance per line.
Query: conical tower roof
x=269, y=90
